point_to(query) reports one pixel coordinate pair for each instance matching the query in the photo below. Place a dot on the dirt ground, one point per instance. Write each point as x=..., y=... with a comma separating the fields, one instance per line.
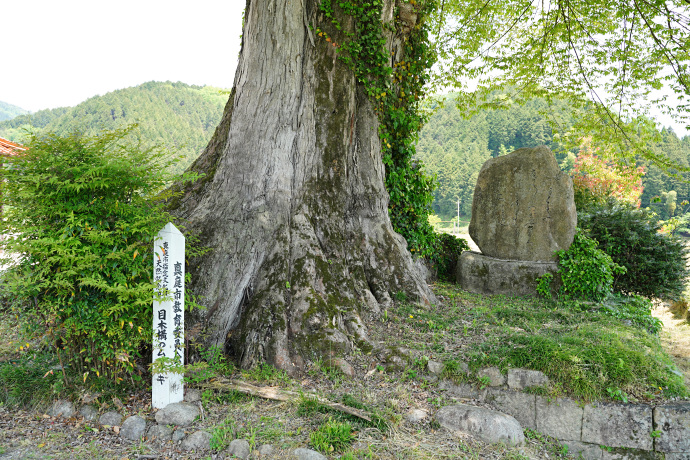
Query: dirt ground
x=675, y=337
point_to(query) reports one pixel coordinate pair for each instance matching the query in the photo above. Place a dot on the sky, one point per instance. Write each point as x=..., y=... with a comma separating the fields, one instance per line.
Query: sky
x=60, y=53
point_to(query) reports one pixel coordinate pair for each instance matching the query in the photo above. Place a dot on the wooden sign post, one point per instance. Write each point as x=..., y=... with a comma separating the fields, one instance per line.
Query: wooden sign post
x=168, y=315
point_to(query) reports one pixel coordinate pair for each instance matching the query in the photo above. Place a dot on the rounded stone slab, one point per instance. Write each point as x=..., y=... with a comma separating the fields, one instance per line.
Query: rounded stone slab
x=523, y=207
x=306, y=454
x=484, y=424
x=239, y=448
x=110, y=418
x=62, y=408
x=133, y=428
x=199, y=440
x=180, y=414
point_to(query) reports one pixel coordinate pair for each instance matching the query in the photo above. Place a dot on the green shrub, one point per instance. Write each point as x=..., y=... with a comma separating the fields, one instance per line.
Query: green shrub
x=586, y=271
x=446, y=254
x=81, y=214
x=655, y=262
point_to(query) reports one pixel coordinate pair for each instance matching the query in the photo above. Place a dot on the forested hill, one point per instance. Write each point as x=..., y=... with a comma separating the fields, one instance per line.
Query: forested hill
x=9, y=111
x=177, y=116
x=454, y=149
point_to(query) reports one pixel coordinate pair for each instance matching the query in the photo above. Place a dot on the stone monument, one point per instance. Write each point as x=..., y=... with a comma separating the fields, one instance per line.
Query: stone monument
x=523, y=211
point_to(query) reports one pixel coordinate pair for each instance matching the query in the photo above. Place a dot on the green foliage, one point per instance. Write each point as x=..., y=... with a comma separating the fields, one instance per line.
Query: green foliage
x=81, y=214
x=446, y=255
x=222, y=434
x=263, y=372
x=655, y=263
x=544, y=285
x=617, y=394
x=395, y=92
x=586, y=361
x=29, y=381
x=332, y=436
x=213, y=363
x=632, y=309
x=610, y=61
x=586, y=271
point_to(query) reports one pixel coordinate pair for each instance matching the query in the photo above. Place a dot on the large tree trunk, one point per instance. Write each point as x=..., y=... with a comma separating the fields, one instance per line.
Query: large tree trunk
x=294, y=205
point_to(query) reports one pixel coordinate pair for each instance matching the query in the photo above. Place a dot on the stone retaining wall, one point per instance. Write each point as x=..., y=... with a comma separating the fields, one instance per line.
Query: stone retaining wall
x=600, y=431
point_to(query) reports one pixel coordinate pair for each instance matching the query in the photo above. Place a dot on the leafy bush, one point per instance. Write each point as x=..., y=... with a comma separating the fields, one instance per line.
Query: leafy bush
x=81, y=214
x=586, y=271
x=632, y=309
x=655, y=262
x=446, y=254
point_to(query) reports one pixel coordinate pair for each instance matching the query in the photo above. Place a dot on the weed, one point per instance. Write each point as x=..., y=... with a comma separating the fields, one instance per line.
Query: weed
x=544, y=285
x=484, y=381
x=332, y=436
x=209, y=397
x=266, y=373
x=616, y=393
x=222, y=434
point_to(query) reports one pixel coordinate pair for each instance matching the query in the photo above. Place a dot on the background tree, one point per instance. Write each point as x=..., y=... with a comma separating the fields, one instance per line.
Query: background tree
x=609, y=60
x=175, y=115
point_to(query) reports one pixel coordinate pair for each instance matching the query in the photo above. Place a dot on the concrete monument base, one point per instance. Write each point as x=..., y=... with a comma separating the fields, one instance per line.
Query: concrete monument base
x=486, y=275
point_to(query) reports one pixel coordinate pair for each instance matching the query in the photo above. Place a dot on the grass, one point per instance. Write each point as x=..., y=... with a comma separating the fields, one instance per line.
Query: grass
x=28, y=382
x=587, y=350
x=332, y=436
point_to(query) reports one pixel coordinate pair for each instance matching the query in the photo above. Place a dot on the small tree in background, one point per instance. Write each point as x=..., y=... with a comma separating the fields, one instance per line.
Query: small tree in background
x=81, y=214
x=656, y=263
x=596, y=178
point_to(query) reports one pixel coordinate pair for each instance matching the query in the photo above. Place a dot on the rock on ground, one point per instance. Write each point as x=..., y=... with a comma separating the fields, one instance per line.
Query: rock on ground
x=159, y=433
x=494, y=376
x=342, y=365
x=199, y=440
x=133, y=428
x=180, y=414
x=62, y=408
x=239, y=448
x=178, y=435
x=484, y=424
x=519, y=379
x=89, y=413
x=110, y=418
x=416, y=415
x=306, y=454
x=266, y=450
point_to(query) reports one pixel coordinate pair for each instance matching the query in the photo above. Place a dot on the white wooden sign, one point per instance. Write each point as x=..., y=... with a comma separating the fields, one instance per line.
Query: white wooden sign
x=168, y=316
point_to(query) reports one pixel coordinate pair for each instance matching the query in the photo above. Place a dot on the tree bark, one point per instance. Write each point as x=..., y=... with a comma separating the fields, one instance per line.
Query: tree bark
x=293, y=204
